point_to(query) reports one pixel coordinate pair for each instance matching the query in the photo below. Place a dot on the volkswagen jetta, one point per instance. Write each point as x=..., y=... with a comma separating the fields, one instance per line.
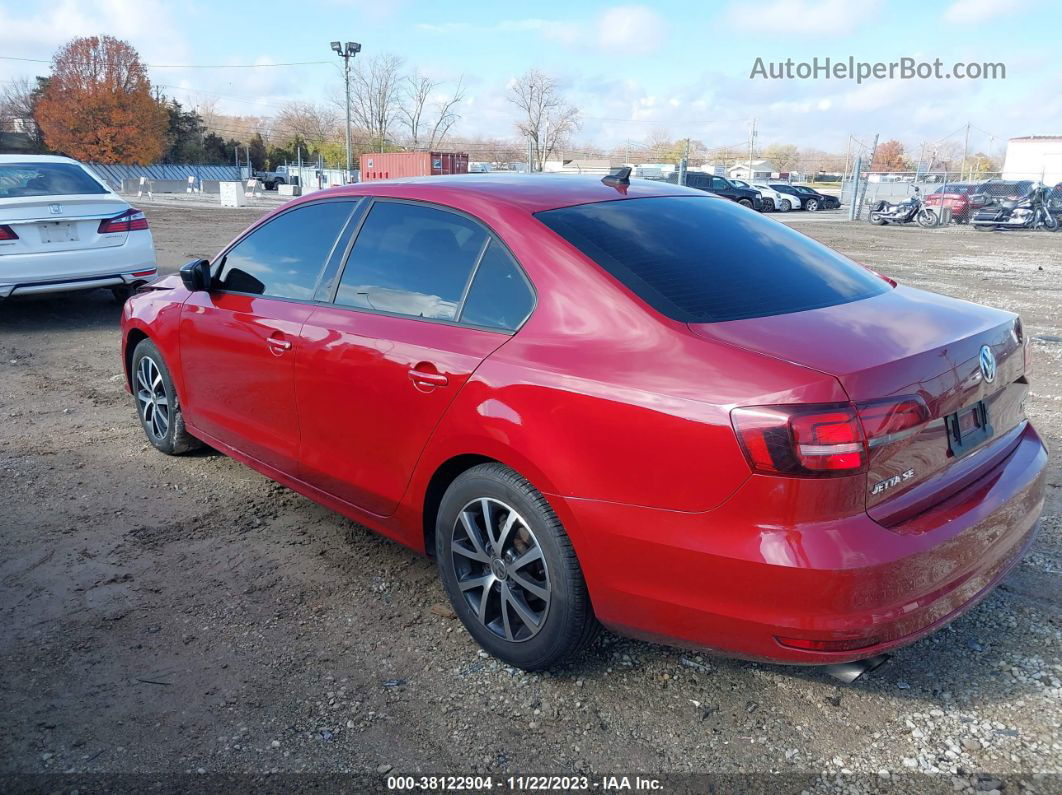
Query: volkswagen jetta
x=610, y=402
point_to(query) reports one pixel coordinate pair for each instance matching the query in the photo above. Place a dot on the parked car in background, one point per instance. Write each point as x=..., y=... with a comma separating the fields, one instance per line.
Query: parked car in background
x=806, y=198
x=783, y=202
x=814, y=200
x=614, y=401
x=721, y=186
x=956, y=197
x=63, y=229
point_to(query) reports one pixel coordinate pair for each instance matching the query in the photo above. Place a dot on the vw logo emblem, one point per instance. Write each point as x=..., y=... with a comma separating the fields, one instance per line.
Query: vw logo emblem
x=987, y=360
x=55, y=209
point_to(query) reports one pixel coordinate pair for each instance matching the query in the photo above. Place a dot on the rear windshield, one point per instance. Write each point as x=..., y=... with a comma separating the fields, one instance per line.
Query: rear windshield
x=18, y=180
x=704, y=260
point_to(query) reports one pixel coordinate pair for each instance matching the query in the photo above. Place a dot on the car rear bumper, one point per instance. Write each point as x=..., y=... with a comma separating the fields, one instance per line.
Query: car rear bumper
x=73, y=285
x=720, y=582
x=79, y=269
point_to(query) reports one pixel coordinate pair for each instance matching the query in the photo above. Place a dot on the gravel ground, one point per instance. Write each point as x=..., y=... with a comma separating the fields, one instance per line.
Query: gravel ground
x=187, y=616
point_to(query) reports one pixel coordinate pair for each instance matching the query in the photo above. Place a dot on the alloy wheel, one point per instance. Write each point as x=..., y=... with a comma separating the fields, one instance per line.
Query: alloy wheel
x=153, y=399
x=501, y=570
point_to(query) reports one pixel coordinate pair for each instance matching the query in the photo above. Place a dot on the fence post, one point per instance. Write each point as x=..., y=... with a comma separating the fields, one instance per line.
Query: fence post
x=853, y=211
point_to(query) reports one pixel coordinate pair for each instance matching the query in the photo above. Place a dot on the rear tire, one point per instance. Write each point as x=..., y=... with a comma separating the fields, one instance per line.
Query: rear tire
x=121, y=294
x=157, y=404
x=812, y=205
x=875, y=218
x=531, y=614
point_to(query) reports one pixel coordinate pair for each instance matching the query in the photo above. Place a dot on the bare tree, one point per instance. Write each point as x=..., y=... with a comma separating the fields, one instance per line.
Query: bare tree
x=18, y=103
x=422, y=119
x=546, y=118
x=375, y=95
x=313, y=123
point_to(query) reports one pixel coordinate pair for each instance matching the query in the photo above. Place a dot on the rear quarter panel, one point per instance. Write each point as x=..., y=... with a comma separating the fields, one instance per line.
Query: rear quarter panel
x=598, y=397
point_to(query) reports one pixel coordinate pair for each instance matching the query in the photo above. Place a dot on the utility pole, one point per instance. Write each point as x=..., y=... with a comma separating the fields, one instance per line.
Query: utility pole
x=684, y=164
x=965, y=149
x=628, y=160
x=346, y=52
x=752, y=147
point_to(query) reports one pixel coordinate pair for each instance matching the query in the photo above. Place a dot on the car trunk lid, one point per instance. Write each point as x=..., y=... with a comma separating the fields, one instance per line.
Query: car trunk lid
x=60, y=223
x=907, y=342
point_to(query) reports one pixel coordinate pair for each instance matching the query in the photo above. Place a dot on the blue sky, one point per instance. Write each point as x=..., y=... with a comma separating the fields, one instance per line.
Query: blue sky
x=674, y=68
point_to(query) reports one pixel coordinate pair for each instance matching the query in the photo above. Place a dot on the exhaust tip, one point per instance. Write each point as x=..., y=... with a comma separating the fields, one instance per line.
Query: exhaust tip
x=850, y=671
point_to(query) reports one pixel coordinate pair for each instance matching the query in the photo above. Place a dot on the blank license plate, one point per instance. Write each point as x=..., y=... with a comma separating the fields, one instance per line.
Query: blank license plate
x=968, y=428
x=58, y=233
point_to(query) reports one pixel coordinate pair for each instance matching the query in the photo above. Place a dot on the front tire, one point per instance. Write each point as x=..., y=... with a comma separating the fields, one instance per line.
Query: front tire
x=510, y=571
x=745, y=203
x=927, y=219
x=157, y=404
x=785, y=205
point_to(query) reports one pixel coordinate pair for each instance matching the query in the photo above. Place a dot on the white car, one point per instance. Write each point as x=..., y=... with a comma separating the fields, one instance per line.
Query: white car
x=783, y=202
x=62, y=229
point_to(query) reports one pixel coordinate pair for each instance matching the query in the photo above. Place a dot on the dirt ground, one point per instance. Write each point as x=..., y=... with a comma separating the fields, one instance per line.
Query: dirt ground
x=187, y=616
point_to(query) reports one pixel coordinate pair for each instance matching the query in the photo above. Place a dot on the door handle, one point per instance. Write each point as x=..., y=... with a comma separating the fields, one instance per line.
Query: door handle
x=428, y=379
x=278, y=346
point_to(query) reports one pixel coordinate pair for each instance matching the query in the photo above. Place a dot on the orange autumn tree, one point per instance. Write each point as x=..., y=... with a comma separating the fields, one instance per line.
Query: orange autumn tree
x=98, y=105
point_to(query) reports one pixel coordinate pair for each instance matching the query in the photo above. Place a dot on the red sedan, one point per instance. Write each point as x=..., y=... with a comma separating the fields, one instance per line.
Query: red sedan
x=955, y=196
x=625, y=403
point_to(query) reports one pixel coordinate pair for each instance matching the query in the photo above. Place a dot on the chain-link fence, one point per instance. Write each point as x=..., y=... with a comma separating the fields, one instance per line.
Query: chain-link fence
x=952, y=197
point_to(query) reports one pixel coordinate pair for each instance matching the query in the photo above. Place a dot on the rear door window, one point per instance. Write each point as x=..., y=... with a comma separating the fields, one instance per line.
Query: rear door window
x=500, y=295
x=411, y=259
x=284, y=257
x=702, y=260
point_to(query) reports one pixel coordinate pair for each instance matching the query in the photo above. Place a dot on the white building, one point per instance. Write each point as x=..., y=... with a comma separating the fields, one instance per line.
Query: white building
x=1034, y=157
x=759, y=169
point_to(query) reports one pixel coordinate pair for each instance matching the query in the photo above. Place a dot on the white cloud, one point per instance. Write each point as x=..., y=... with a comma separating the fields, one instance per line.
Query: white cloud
x=636, y=30
x=793, y=17
x=626, y=30
x=973, y=12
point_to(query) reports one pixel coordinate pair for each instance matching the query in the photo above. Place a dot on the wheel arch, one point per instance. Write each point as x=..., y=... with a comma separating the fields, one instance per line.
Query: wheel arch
x=132, y=339
x=445, y=474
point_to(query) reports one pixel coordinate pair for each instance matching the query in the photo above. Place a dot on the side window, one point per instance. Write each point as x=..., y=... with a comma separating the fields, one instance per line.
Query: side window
x=411, y=260
x=718, y=183
x=284, y=258
x=499, y=296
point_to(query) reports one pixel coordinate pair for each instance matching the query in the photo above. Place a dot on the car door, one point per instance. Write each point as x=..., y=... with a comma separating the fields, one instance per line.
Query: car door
x=425, y=295
x=721, y=187
x=239, y=340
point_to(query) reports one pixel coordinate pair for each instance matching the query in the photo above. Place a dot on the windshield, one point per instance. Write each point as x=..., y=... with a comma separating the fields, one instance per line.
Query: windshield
x=18, y=180
x=703, y=260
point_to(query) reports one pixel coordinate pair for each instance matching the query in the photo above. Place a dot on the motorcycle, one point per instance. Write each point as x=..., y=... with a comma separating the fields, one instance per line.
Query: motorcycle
x=904, y=212
x=1030, y=212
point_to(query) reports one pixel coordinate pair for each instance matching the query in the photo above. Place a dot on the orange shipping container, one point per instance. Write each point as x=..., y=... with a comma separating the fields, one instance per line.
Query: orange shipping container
x=392, y=165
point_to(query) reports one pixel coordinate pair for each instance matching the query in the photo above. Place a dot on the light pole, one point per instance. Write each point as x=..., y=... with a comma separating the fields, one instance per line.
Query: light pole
x=346, y=52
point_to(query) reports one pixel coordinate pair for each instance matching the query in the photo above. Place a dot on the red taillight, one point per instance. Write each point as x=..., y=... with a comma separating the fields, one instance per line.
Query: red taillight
x=888, y=421
x=129, y=221
x=801, y=440
x=7, y=233
x=821, y=441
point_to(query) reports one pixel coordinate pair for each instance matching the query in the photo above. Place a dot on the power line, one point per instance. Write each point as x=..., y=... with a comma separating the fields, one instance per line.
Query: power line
x=190, y=65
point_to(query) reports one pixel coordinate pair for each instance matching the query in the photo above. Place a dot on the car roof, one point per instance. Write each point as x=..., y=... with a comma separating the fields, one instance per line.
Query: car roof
x=37, y=159
x=528, y=192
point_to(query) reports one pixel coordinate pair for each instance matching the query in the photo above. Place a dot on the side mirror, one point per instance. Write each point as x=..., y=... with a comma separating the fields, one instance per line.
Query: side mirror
x=196, y=275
